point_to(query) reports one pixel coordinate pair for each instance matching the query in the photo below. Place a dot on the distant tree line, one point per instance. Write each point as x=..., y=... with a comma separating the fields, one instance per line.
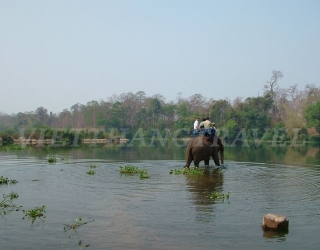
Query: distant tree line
x=277, y=108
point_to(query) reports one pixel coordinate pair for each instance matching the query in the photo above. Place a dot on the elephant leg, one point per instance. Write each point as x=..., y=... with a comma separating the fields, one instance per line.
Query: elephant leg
x=206, y=162
x=189, y=157
x=196, y=161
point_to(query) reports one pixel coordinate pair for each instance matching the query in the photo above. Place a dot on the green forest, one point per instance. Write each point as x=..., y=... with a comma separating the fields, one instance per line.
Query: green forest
x=294, y=112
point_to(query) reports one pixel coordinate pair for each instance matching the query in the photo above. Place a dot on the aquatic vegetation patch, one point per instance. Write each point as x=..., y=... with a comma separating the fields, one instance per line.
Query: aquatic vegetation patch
x=35, y=213
x=13, y=195
x=129, y=169
x=92, y=166
x=14, y=148
x=134, y=170
x=144, y=174
x=52, y=159
x=187, y=171
x=6, y=203
x=91, y=172
x=65, y=158
x=73, y=228
x=220, y=196
x=6, y=180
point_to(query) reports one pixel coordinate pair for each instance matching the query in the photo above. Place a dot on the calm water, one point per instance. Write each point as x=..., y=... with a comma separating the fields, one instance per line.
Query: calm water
x=165, y=211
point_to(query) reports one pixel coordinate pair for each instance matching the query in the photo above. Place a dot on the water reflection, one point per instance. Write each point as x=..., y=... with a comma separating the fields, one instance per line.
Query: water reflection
x=279, y=236
x=201, y=186
x=308, y=154
x=164, y=211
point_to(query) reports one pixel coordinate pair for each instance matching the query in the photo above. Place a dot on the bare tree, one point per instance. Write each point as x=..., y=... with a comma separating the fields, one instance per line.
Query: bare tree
x=179, y=97
x=271, y=88
x=271, y=85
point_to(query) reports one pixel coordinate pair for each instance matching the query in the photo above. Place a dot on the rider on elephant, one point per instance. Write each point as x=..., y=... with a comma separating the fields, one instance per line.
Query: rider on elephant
x=208, y=127
x=196, y=127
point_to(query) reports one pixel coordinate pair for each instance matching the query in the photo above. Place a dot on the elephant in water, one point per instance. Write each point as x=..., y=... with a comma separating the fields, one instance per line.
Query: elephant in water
x=202, y=148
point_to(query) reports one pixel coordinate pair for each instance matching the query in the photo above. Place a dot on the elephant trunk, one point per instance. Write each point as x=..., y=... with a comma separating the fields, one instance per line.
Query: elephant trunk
x=222, y=154
x=221, y=149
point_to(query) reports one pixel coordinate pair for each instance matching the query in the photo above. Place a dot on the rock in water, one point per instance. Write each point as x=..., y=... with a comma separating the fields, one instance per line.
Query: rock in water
x=275, y=222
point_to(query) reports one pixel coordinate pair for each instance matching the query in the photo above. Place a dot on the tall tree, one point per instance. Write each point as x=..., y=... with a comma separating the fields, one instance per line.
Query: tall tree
x=254, y=113
x=78, y=115
x=154, y=110
x=271, y=88
x=41, y=116
x=198, y=103
x=271, y=85
x=313, y=116
x=115, y=119
x=221, y=112
x=91, y=112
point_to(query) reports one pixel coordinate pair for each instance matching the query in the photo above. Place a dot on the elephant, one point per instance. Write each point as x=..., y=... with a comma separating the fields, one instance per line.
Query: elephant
x=202, y=148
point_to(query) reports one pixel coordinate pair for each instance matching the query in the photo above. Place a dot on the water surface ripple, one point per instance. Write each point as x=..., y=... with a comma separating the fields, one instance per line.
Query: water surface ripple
x=162, y=212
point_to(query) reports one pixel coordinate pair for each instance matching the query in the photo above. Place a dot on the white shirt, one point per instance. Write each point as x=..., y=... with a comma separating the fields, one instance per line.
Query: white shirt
x=196, y=124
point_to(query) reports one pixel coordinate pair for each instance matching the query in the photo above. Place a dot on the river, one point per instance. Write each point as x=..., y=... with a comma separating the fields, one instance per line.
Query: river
x=164, y=211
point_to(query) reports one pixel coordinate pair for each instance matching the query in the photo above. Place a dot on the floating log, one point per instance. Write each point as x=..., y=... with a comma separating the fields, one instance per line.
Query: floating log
x=275, y=222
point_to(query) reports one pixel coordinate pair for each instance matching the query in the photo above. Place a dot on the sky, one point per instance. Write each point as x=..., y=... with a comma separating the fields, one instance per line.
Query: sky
x=57, y=53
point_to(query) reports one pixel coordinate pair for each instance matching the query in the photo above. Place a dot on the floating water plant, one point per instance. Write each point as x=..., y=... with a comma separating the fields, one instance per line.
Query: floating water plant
x=134, y=170
x=92, y=166
x=14, y=147
x=32, y=214
x=7, y=204
x=129, y=169
x=13, y=195
x=187, y=171
x=216, y=195
x=65, y=158
x=72, y=228
x=5, y=180
x=7, y=199
x=91, y=172
x=52, y=159
x=144, y=174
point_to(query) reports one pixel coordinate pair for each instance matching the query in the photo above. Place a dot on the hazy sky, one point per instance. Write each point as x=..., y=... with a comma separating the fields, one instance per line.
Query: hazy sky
x=54, y=54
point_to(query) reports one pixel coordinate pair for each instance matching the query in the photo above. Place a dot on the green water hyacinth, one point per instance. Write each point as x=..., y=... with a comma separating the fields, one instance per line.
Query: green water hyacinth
x=144, y=174
x=6, y=201
x=73, y=228
x=6, y=180
x=32, y=214
x=216, y=195
x=187, y=171
x=14, y=148
x=6, y=204
x=134, y=170
x=91, y=172
x=13, y=195
x=129, y=170
x=65, y=158
x=52, y=159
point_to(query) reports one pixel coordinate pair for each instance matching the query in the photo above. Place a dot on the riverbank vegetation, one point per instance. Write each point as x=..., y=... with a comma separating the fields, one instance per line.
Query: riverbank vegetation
x=280, y=113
